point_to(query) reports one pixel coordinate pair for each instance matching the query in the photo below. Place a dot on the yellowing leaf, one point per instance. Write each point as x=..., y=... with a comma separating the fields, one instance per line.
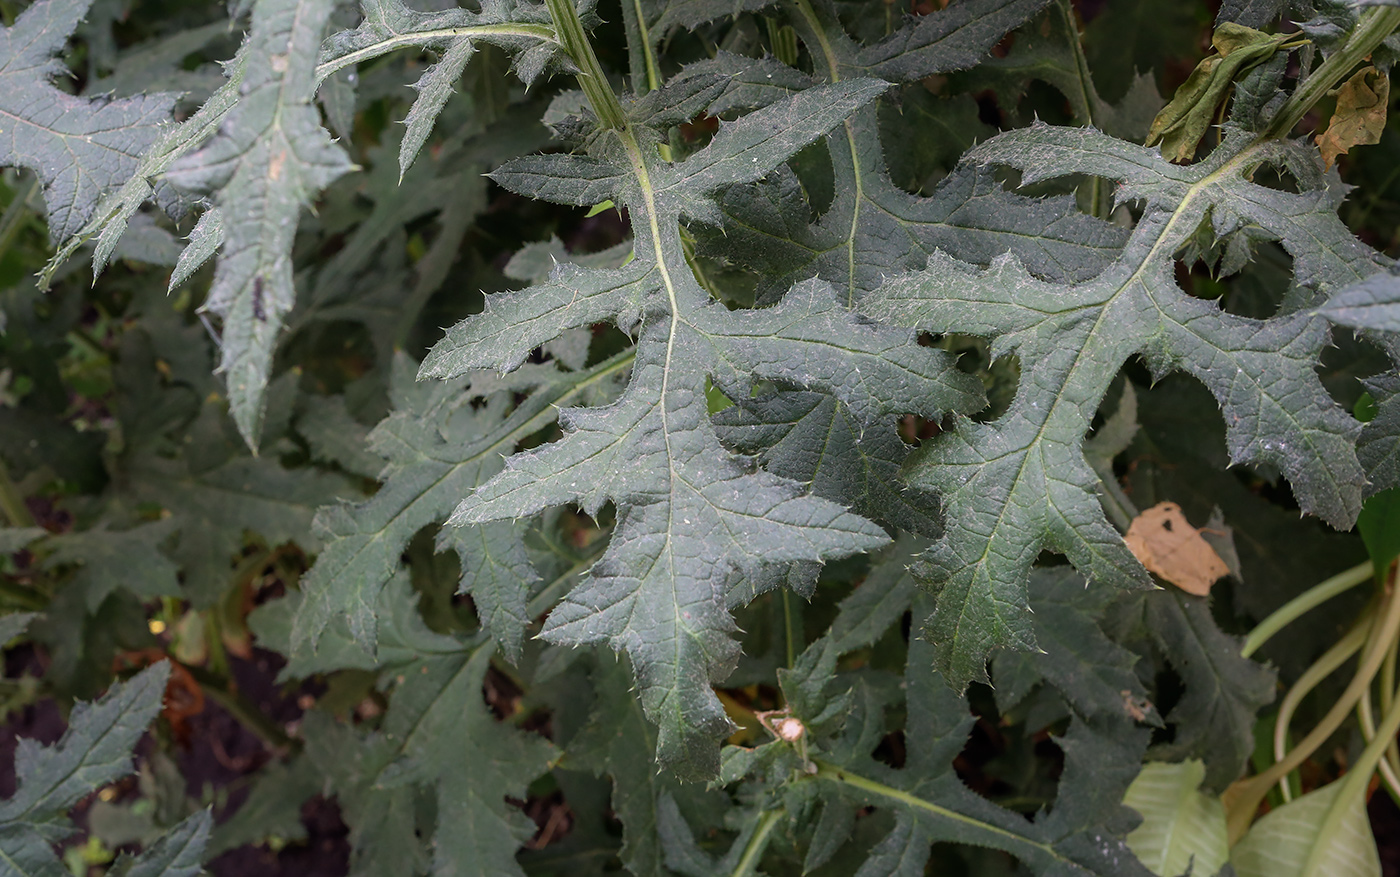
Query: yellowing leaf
x=1166, y=543
x=1181, y=827
x=1360, y=115
x=1182, y=123
x=1296, y=840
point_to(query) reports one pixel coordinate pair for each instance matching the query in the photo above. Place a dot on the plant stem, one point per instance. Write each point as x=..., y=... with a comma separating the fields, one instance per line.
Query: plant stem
x=1365, y=717
x=1375, y=26
x=1242, y=799
x=1357, y=779
x=1301, y=604
x=1323, y=667
x=590, y=75
x=753, y=850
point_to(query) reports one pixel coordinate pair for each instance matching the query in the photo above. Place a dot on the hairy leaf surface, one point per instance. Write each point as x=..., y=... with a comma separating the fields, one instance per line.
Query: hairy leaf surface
x=1020, y=484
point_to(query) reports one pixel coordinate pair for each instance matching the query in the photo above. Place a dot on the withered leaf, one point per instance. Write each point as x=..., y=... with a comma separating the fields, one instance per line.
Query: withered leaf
x=1166, y=543
x=1360, y=115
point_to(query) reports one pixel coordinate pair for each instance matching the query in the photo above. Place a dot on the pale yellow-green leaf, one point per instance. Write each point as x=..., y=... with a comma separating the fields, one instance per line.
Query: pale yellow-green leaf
x=1181, y=827
x=1289, y=842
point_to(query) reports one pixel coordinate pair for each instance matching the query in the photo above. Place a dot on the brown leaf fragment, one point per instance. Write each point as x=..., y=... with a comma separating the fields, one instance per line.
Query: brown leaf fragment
x=1166, y=543
x=1360, y=115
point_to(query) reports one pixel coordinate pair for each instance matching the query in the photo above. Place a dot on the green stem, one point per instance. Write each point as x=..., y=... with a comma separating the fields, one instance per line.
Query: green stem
x=590, y=76
x=1303, y=603
x=1356, y=780
x=1242, y=799
x=833, y=773
x=1375, y=26
x=1323, y=667
x=12, y=501
x=753, y=851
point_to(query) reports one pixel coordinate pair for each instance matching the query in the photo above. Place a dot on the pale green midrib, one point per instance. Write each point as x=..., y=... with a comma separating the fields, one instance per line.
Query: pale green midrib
x=643, y=176
x=653, y=73
x=835, y=773
x=536, y=31
x=834, y=74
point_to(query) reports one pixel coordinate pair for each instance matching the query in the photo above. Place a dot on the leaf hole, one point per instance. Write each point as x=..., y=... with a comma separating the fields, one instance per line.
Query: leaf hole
x=1245, y=276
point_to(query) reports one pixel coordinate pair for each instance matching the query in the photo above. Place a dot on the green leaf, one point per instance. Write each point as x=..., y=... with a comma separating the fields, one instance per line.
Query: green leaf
x=270, y=159
x=1214, y=719
x=78, y=148
x=873, y=230
x=1020, y=483
x=1286, y=841
x=1094, y=674
x=95, y=750
x=439, y=449
x=438, y=739
x=14, y=539
x=1379, y=525
x=177, y=853
x=216, y=494
x=108, y=559
x=1182, y=829
x=520, y=28
x=690, y=514
x=13, y=624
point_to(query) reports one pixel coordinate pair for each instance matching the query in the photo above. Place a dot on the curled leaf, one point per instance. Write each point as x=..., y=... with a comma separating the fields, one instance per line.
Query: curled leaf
x=1359, y=117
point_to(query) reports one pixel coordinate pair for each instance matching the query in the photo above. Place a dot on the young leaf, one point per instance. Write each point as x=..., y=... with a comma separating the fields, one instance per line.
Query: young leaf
x=1182, y=829
x=79, y=148
x=270, y=159
x=1019, y=484
x=96, y=749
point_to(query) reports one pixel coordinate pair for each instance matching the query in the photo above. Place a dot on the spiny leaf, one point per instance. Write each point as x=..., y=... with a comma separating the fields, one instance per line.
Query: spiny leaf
x=109, y=559
x=438, y=449
x=1214, y=719
x=1019, y=484
x=521, y=28
x=690, y=514
x=438, y=738
x=95, y=750
x=177, y=853
x=270, y=159
x=79, y=148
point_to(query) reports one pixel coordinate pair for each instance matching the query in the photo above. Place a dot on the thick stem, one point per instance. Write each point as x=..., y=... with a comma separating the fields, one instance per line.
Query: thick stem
x=595, y=86
x=1375, y=26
